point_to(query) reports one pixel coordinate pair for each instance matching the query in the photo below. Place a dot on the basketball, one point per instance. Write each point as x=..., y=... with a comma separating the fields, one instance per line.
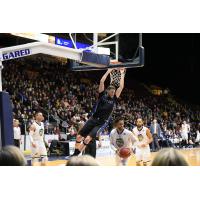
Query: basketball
x=124, y=152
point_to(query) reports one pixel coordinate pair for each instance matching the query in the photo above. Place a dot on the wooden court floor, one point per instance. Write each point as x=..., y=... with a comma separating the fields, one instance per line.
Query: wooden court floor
x=191, y=155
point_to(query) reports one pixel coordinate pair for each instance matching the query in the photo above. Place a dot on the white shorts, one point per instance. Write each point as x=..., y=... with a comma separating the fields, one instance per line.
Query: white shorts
x=40, y=150
x=143, y=154
x=184, y=135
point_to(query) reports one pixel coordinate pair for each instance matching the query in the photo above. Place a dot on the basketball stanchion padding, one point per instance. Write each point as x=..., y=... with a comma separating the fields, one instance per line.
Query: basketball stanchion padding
x=97, y=60
x=6, y=120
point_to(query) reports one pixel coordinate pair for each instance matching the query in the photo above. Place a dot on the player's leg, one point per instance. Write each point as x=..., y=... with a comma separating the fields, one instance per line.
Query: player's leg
x=90, y=137
x=43, y=153
x=91, y=148
x=35, y=154
x=35, y=160
x=146, y=163
x=87, y=150
x=79, y=139
x=117, y=159
x=85, y=142
x=83, y=133
x=139, y=163
x=44, y=160
x=138, y=156
x=184, y=137
x=124, y=162
x=146, y=156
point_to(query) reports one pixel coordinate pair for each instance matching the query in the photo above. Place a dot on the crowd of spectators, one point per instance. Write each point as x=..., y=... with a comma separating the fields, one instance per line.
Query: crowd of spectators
x=67, y=99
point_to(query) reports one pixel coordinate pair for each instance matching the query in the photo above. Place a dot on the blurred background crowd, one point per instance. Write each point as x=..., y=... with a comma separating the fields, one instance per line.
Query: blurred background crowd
x=67, y=99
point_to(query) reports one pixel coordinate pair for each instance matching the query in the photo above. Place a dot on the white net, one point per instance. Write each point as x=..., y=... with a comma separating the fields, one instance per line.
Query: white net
x=115, y=77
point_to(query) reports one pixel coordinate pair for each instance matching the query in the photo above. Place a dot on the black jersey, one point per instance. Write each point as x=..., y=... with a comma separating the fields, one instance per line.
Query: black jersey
x=105, y=106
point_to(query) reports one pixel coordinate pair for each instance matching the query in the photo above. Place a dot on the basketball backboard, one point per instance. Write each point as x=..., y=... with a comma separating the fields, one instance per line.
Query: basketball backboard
x=135, y=60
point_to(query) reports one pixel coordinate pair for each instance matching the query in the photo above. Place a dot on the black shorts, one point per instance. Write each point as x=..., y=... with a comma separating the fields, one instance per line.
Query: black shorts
x=91, y=127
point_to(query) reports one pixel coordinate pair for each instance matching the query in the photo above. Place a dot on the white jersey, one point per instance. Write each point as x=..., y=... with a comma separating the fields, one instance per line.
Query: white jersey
x=124, y=139
x=185, y=128
x=37, y=137
x=17, y=133
x=142, y=153
x=141, y=135
x=38, y=134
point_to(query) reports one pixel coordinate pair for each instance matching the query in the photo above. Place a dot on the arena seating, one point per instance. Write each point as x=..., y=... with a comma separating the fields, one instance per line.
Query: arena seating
x=47, y=85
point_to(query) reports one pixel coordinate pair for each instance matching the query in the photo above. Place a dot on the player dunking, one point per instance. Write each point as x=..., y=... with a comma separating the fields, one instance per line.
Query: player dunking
x=105, y=105
x=144, y=139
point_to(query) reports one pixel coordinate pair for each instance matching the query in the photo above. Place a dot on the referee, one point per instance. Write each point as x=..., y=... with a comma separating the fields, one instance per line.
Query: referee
x=17, y=133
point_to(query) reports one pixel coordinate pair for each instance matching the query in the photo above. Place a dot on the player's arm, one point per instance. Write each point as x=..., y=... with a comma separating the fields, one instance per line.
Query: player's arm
x=31, y=132
x=149, y=135
x=45, y=143
x=150, y=139
x=134, y=140
x=101, y=85
x=121, y=84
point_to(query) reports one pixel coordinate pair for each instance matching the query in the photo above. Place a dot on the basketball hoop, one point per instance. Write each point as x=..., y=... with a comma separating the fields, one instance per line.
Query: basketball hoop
x=115, y=75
